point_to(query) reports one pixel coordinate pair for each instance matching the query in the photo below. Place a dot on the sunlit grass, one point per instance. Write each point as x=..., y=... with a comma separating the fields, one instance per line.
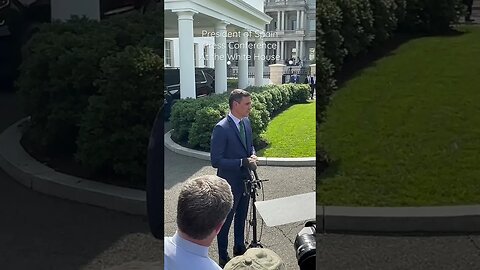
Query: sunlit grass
x=291, y=133
x=406, y=131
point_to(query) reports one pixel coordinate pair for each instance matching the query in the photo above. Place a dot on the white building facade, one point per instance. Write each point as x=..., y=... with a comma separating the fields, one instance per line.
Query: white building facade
x=196, y=35
x=292, y=30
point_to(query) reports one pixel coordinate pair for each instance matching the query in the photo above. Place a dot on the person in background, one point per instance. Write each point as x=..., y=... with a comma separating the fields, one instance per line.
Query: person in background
x=469, y=4
x=312, y=85
x=203, y=205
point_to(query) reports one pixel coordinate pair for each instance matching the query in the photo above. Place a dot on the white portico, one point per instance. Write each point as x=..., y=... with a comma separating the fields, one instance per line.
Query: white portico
x=240, y=19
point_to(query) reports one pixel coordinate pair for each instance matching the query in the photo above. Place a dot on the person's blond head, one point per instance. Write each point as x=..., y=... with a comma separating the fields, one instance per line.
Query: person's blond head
x=203, y=204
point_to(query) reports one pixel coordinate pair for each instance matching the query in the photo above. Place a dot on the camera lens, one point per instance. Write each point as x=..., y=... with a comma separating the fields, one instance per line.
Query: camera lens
x=306, y=248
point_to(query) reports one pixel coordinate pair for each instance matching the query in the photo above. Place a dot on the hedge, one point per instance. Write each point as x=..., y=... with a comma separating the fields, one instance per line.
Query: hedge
x=64, y=66
x=431, y=16
x=194, y=119
x=115, y=128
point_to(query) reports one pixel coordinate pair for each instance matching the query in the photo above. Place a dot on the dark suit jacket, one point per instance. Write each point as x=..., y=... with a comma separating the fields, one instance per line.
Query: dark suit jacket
x=226, y=151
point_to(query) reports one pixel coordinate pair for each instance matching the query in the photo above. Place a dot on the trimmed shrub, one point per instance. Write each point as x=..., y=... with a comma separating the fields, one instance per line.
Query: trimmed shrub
x=430, y=16
x=194, y=119
x=56, y=78
x=300, y=93
x=384, y=19
x=357, y=25
x=61, y=63
x=115, y=129
x=325, y=86
x=205, y=119
x=232, y=83
x=329, y=26
x=184, y=112
x=400, y=10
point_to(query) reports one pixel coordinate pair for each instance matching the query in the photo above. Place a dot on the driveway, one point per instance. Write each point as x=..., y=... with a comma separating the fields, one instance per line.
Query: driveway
x=334, y=251
x=283, y=182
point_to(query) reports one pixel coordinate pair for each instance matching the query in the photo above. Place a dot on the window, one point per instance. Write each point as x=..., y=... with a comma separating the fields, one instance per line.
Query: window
x=199, y=77
x=195, y=54
x=251, y=53
x=205, y=55
x=311, y=25
x=168, y=53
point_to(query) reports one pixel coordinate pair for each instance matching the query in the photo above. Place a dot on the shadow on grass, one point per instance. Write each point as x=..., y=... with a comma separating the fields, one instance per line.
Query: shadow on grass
x=326, y=168
x=353, y=66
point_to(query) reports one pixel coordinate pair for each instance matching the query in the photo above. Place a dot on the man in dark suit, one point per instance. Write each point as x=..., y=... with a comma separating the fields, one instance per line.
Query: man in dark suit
x=233, y=154
x=469, y=4
x=312, y=85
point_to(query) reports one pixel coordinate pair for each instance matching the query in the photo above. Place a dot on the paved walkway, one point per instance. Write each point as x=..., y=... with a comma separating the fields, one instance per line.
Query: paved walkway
x=284, y=181
x=414, y=252
x=42, y=232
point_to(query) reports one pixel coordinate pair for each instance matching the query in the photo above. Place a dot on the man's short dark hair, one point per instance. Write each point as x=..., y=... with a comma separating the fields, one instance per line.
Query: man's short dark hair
x=237, y=95
x=203, y=203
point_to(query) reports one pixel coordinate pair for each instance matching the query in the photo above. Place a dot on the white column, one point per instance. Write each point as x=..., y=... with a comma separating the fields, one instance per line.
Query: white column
x=277, y=51
x=187, y=64
x=283, y=20
x=301, y=52
x=221, y=57
x=297, y=48
x=259, y=59
x=297, y=26
x=243, y=59
x=282, y=50
x=302, y=19
x=278, y=20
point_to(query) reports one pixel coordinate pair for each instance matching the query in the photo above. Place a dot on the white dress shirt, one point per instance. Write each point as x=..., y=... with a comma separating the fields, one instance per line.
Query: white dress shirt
x=181, y=254
x=237, y=123
x=235, y=120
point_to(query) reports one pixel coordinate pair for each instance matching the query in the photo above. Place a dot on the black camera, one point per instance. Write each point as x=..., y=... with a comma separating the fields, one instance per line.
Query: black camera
x=306, y=246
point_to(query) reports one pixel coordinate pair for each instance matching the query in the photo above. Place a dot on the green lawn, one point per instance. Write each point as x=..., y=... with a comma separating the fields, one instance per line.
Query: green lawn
x=291, y=133
x=406, y=131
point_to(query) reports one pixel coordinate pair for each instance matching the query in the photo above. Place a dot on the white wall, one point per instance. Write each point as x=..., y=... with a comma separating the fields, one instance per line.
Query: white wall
x=64, y=9
x=258, y=4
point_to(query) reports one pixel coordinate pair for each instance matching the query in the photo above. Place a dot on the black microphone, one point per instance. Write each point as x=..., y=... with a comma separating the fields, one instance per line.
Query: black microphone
x=252, y=166
x=255, y=173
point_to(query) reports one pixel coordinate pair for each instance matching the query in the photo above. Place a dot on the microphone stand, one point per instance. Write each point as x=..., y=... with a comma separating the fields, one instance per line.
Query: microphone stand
x=254, y=185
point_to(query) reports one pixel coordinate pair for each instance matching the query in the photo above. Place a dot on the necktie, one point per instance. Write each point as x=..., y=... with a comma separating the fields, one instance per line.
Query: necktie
x=242, y=133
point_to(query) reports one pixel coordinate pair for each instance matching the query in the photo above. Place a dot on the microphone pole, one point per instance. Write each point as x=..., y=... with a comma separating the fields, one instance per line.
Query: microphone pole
x=253, y=189
x=255, y=183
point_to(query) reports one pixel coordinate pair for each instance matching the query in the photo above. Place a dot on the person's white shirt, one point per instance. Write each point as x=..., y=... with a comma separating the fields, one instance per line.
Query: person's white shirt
x=181, y=254
x=235, y=120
